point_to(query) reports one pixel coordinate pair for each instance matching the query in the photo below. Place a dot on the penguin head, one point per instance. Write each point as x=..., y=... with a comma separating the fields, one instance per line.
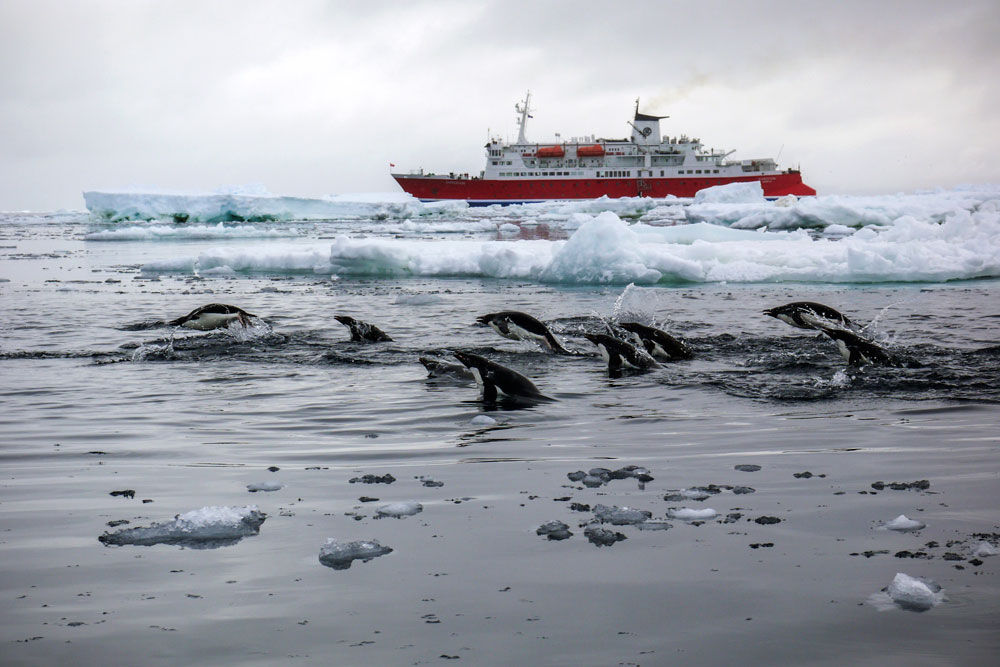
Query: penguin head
x=345, y=320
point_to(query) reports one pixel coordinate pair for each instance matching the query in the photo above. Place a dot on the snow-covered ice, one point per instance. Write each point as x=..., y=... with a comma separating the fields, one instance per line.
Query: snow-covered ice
x=399, y=510
x=340, y=555
x=984, y=549
x=910, y=593
x=207, y=527
x=902, y=523
x=253, y=487
x=688, y=514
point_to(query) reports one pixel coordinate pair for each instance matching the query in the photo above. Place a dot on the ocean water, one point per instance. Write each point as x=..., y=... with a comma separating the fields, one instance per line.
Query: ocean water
x=99, y=395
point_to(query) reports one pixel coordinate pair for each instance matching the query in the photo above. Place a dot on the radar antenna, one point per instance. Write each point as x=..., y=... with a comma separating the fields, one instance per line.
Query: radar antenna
x=524, y=112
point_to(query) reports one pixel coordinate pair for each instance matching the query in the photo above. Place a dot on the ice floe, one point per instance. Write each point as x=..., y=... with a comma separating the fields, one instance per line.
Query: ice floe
x=620, y=516
x=399, y=510
x=204, y=528
x=688, y=514
x=340, y=555
x=254, y=487
x=904, y=524
x=554, y=530
x=910, y=593
x=984, y=549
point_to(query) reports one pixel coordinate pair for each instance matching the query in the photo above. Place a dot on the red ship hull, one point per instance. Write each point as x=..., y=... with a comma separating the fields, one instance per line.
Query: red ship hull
x=484, y=192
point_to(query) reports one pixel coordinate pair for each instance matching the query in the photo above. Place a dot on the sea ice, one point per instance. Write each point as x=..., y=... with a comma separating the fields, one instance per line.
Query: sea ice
x=602, y=537
x=985, y=549
x=204, y=528
x=732, y=193
x=482, y=420
x=399, y=510
x=340, y=555
x=903, y=524
x=910, y=593
x=253, y=487
x=688, y=514
x=620, y=516
x=554, y=530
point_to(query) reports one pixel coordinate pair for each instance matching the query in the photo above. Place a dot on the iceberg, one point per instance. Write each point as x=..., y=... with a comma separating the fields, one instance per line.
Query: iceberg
x=340, y=555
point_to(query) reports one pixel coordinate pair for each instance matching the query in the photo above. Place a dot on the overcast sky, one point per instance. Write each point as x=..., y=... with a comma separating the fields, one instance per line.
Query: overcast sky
x=311, y=98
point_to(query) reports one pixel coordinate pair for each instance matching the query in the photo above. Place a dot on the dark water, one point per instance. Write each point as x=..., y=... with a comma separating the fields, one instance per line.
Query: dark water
x=97, y=395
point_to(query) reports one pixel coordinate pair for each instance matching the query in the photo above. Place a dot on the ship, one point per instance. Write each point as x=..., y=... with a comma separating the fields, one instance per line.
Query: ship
x=644, y=164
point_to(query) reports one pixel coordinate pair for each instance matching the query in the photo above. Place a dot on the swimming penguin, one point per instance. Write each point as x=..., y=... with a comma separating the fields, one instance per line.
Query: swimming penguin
x=521, y=326
x=858, y=351
x=362, y=331
x=804, y=314
x=212, y=316
x=658, y=343
x=493, y=377
x=620, y=354
x=437, y=368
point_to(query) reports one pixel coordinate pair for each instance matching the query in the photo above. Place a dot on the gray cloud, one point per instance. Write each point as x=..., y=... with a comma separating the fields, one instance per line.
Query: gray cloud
x=312, y=98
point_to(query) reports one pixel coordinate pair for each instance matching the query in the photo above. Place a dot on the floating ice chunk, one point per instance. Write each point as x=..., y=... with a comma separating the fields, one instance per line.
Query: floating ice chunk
x=904, y=524
x=253, y=487
x=654, y=525
x=554, y=530
x=688, y=514
x=733, y=193
x=339, y=555
x=620, y=516
x=205, y=528
x=838, y=230
x=910, y=593
x=399, y=510
x=985, y=549
x=695, y=494
x=602, y=537
x=482, y=420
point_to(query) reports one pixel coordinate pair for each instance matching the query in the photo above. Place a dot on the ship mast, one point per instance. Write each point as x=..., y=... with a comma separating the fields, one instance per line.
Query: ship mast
x=525, y=113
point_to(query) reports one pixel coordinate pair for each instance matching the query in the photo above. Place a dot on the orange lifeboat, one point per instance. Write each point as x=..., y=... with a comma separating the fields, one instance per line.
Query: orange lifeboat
x=551, y=151
x=596, y=150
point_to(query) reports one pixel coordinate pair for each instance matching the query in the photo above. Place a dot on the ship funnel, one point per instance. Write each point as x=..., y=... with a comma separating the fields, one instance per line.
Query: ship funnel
x=646, y=129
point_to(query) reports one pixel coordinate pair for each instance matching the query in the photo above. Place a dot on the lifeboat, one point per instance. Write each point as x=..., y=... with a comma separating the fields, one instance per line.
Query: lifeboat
x=551, y=151
x=596, y=150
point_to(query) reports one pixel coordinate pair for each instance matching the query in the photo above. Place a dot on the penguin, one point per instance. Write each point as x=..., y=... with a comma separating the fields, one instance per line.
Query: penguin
x=437, y=368
x=493, y=377
x=658, y=343
x=362, y=331
x=620, y=354
x=521, y=326
x=858, y=351
x=804, y=315
x=212, y=316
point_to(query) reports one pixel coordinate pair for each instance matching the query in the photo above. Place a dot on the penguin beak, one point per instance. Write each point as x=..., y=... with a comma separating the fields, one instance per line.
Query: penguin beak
x=770, y=312
x=484, y=320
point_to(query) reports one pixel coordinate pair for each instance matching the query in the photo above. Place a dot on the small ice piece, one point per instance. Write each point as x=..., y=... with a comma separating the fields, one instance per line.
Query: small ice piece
x=482, y=420
x=399, y=510
x=747, y=467
x=695, y=494
x=985, y=549
x=592, y=481
x=576, y=476
x=602, y=537
x=339, y=555
x=913, y=593
x=904, y=524
x=620, y=516
x=254, y=487
x=688, y=514
x=742, y=490
x=555, y=530
x=655, y=525
x=205, y=528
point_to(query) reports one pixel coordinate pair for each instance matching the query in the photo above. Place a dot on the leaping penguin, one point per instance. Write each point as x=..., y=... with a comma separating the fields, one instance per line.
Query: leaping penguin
x=213, y=316
x=362, y=332
x=437, y=368
x=658, y=343
x=493, y=377
x=858, y=351
x=804, y=315
x=620, y=354
x=516, y=325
